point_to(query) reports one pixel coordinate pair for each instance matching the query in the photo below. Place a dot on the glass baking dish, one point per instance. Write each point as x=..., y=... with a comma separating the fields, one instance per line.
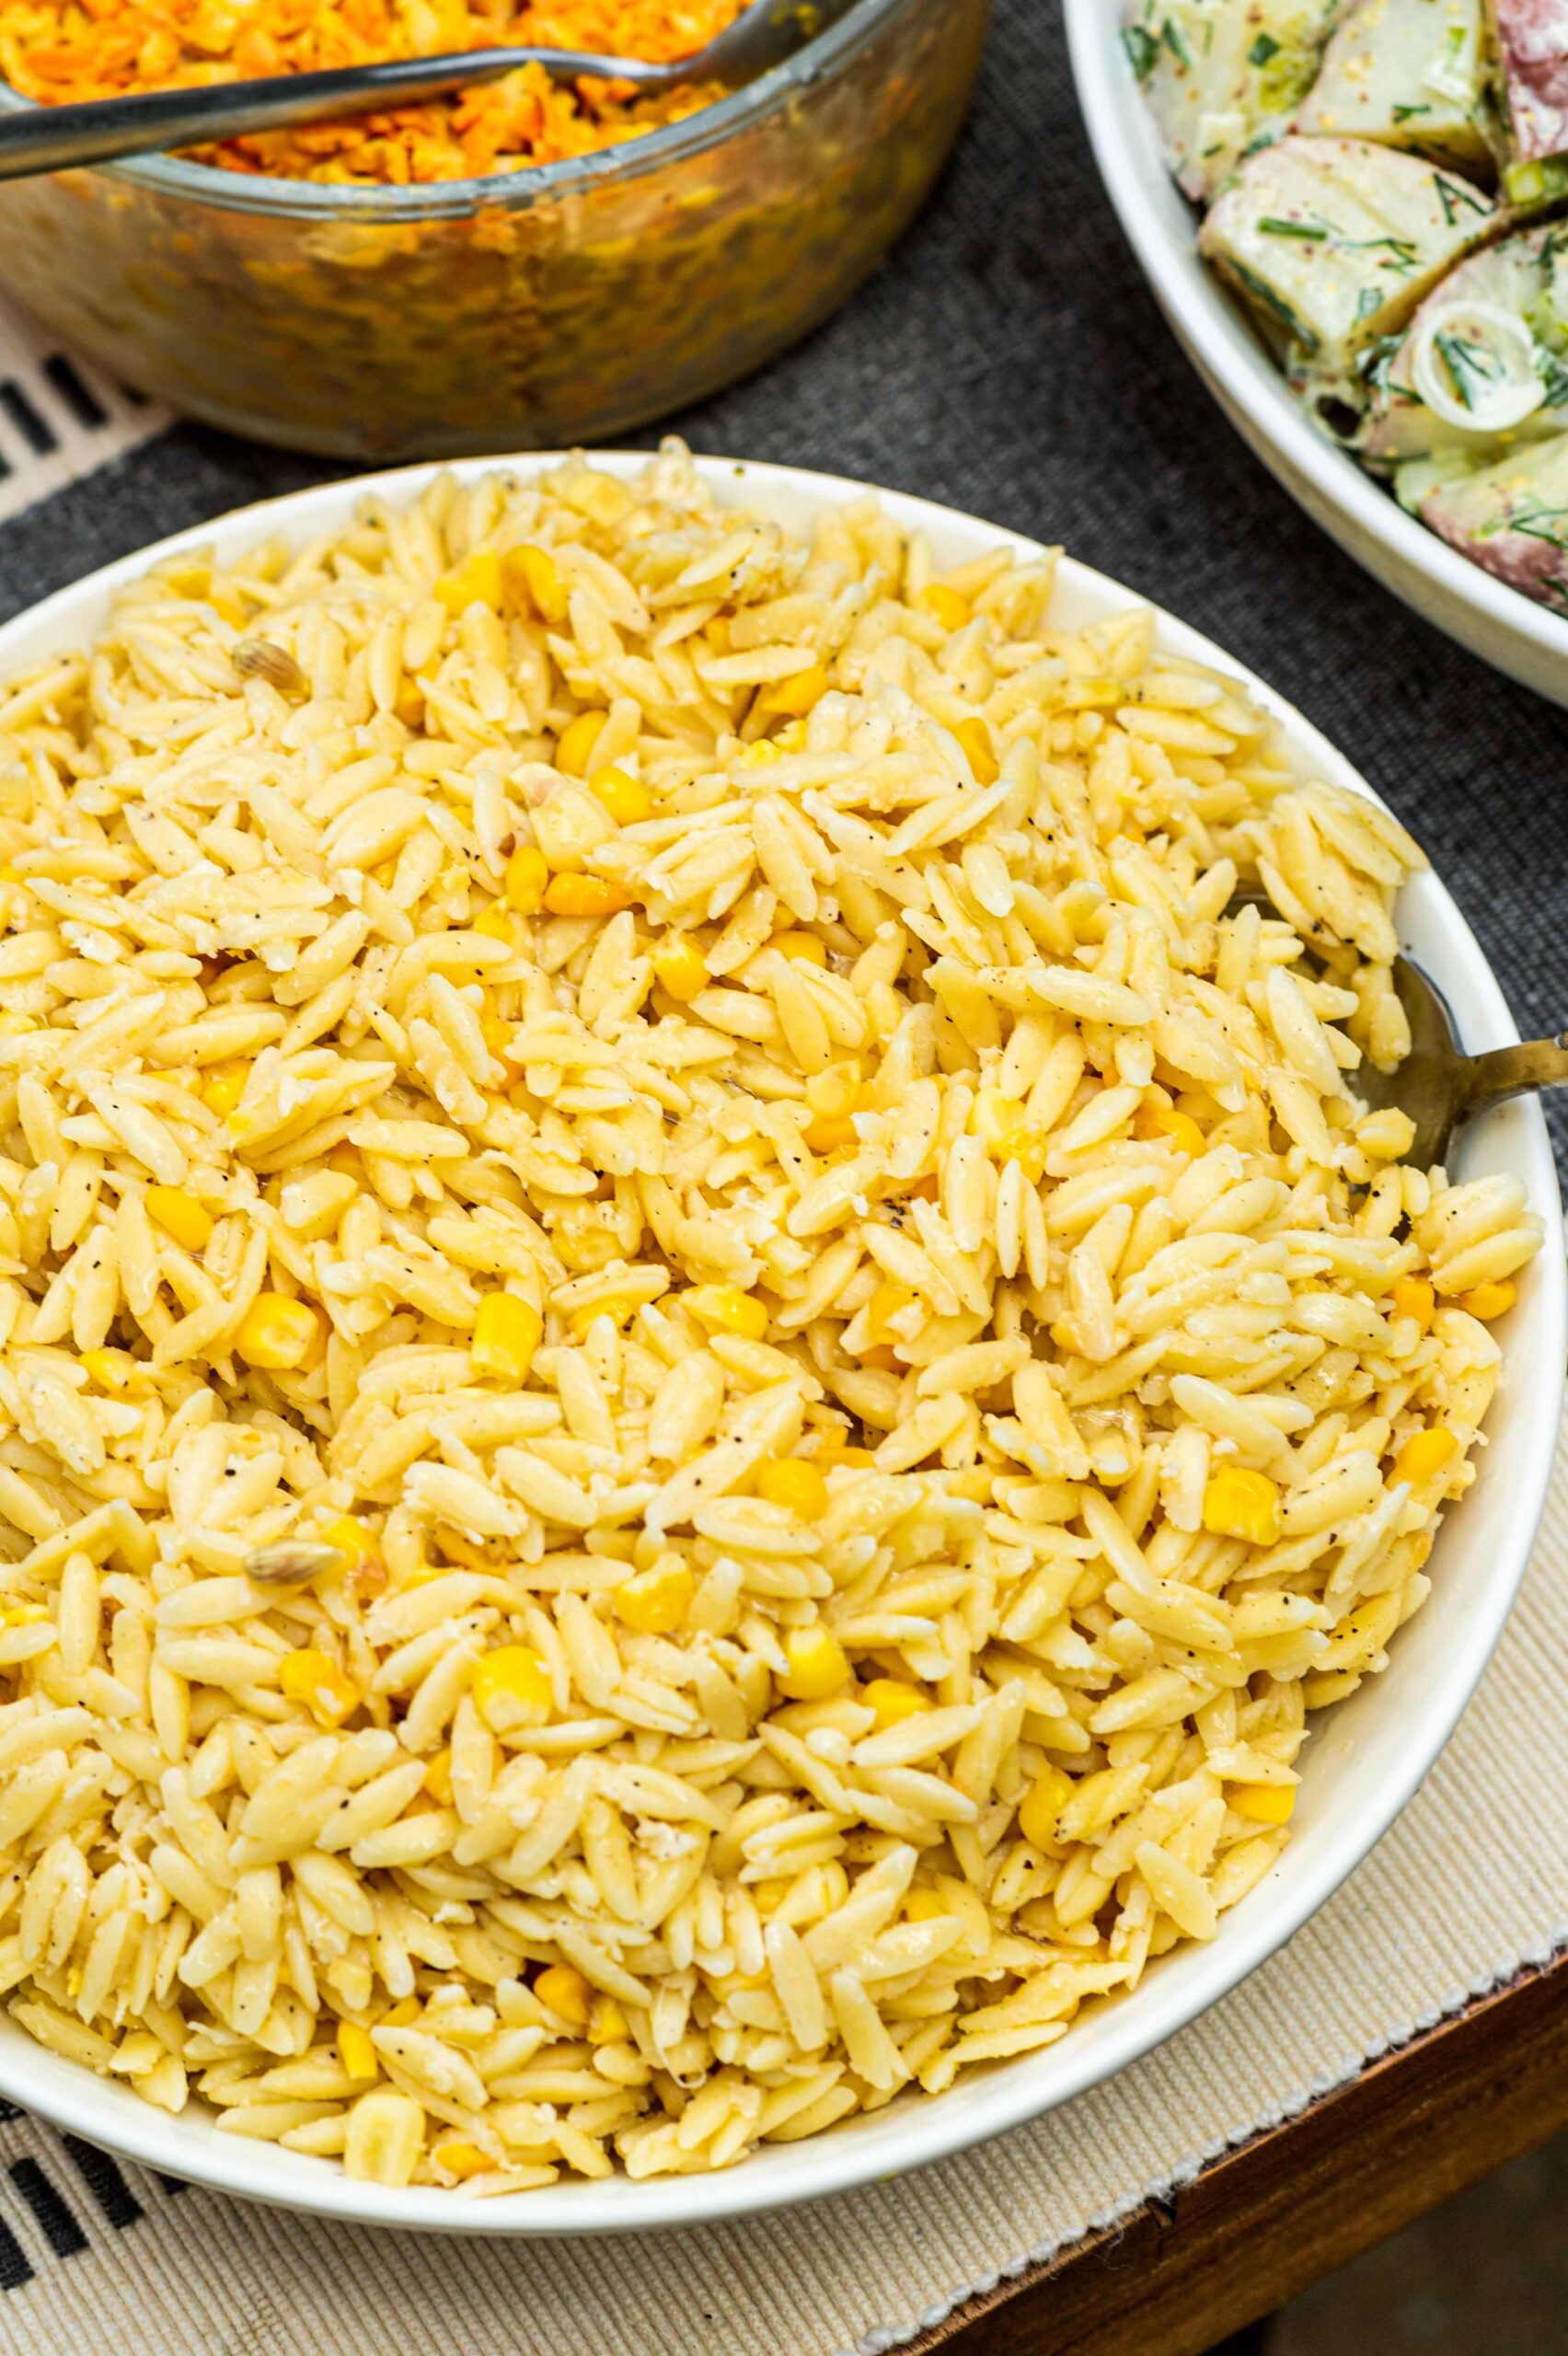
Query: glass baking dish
x=530, y=309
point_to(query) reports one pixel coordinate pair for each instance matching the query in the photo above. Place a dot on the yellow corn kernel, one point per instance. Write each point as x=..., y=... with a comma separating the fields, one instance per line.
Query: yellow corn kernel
x=1490, y=1301
x=725, y=1310
x=527, y=875
x=951, y=608
x=497, y=923
x=609, y=2025
x=1413, y=1297
x=314, y=1677
x=1238, y=1504
x=655, y=1600
x=351, y=1538
x=279, y=1333
x=1029, y=1150
x=816, y=1662
x=506, y=1333
x=356, y=2050
x=1425, y=1453
x=831, y=1132
x=790, y=1482
x=511, y=1687
x=403, y=2014
x=584, y=895
x=224, y=1085
x=795, y=696
x=386, y=2136
x=835, y=1090
x=181, y=1216
x=1042, y=1804
x=461, y=2159
x=832, y=1453
x=110, y=1369
x=497, y=1035
x=476, y=580
x=890, y=1701
x=975, y=735
x=1164, y=1121
x=533, y=576
x=620, y=1308
x=574, y=747
x=888, y=1301
x=803, y=947
x=996, y=1119
x=565, y=1991
x=925, y=1906
x=628, y=800
x=438, y=1778
x=757, y=755
x=680, y=968
x=1263, y=1803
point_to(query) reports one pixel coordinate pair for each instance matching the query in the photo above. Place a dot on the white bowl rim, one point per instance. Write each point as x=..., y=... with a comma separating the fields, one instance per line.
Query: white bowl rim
x=72, y=2097
x=1216, y=329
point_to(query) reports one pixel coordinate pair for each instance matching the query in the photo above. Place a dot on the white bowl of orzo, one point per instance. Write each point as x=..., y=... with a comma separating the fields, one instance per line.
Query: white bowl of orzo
x=702, y=1370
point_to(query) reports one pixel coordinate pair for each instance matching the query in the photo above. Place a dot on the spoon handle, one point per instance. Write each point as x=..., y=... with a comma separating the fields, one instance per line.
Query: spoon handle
x=1503, y=1073
x=51, y=139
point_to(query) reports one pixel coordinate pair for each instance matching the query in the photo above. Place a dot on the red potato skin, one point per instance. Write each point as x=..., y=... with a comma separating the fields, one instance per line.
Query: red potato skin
x=1532, y=40
x=1535, y=567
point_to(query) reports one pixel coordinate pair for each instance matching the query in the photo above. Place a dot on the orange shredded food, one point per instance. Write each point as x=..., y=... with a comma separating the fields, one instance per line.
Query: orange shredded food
x=61, y=51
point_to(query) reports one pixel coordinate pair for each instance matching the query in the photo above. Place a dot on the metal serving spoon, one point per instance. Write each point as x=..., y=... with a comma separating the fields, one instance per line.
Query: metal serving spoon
x=51, y=139
x=1437, y=1084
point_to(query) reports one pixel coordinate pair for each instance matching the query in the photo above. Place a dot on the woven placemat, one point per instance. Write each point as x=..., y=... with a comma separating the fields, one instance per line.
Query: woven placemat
x=1470, y=1885
x=60, y=417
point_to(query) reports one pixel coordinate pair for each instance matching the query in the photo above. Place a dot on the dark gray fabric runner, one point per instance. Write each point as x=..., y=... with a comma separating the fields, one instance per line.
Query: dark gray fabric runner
x=1009, y=359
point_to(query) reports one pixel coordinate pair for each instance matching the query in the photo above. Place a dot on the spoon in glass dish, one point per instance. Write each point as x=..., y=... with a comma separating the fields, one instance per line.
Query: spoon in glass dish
x=1437, y=1084
x=52, y=139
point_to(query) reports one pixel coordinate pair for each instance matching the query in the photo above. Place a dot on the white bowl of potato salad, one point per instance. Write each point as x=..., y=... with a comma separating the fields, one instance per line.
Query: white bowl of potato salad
x=729, y=1453
x=1350, y=216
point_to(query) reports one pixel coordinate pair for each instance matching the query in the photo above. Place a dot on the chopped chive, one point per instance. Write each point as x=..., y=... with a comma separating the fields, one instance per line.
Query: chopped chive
x=1534, y=526
x=1174, y=43
x=1142, y=49
x=1452, y=193
x=1263, y=295
x=1554, y=376
x=1401, y=252
x=1373, y=364
x=1315, y=233
x=1467, y=361
x=1408, y=114
x=1262, y=49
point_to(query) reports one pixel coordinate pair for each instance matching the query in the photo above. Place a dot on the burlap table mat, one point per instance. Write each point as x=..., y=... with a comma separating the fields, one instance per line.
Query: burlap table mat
x=1470, y=1884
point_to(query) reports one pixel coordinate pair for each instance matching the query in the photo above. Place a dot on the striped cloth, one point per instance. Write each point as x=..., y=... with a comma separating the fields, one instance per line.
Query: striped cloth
x=1470, y=1885
x=60, y=417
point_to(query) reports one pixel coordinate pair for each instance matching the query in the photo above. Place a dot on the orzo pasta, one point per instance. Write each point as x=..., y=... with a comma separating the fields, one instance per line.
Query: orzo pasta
x=700, y=1366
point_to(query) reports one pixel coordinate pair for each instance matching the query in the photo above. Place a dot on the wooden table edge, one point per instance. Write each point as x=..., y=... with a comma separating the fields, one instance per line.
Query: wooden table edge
x=1277, y=2212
